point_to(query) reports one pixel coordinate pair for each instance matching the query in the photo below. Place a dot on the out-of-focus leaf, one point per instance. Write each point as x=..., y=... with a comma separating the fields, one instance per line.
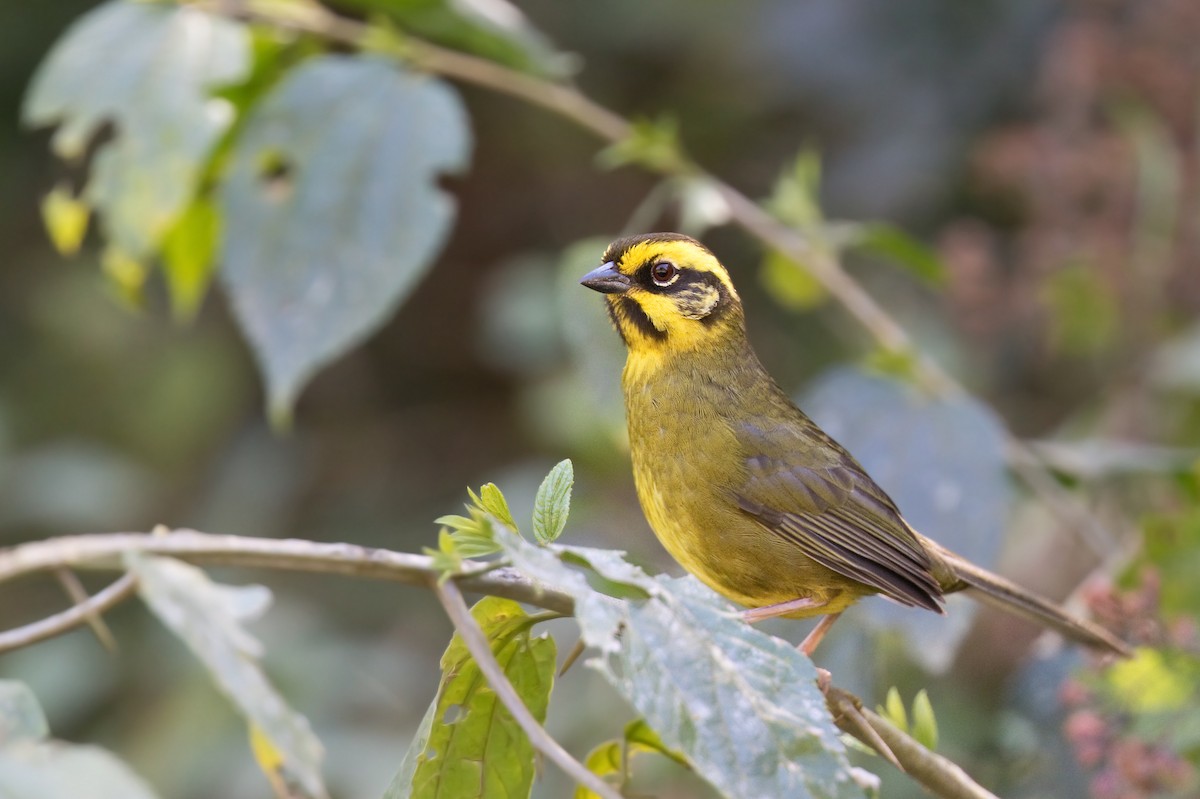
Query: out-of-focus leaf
x=741, y=706
x=651, y=143
x=701, y=204
x=150, y=70
x=795, y=197
x=893, y=709
x=208, y=617
x=270, y=760
x=552, y=504
x=924, y=723
x=332, y=211
x=188, y=256
x=493, y=29
x=896, y=245
x=789, y=283
x=1171, y=544
x=942, y=461
x=21, y=717
x=32, y=767
x=66, y=219
x=602, y=761
x=1176, y=365
x=1083, y=310
x=126, y=275
x=474, y=746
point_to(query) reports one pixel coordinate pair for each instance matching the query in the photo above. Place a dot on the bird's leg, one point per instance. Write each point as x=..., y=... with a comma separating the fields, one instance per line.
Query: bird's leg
x=813, y=639
x=755, y=615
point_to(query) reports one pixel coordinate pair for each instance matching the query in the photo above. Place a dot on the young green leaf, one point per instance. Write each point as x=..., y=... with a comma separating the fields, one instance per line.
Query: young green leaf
x=924, y=724
x=896, y=245
x=652, y=143
x=188, y=257
x=893, y=709
x=553, y=503
x=446, y=558
x=492, y=500
x=472, y=747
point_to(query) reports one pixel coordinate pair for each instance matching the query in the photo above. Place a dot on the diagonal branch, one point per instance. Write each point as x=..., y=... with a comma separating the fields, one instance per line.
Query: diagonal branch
x=477, y=644
x=86, y=610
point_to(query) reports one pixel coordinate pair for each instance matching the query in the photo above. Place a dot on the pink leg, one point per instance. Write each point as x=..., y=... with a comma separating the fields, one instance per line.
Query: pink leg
x=755, y=615
x=813, y=639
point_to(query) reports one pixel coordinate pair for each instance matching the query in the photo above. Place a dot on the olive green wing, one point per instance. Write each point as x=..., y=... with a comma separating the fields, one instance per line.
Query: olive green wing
x=804, y=487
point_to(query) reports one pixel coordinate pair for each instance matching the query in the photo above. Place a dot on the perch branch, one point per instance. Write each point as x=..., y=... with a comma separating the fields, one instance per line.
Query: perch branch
x=477, y=644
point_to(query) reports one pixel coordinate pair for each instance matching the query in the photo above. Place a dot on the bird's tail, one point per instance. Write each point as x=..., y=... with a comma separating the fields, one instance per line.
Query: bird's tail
x=998, y=592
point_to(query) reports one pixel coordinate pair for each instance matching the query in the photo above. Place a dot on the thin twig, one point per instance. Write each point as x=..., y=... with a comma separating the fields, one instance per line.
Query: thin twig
x=106, y=551
x=71, y=618
x=79, y=596
x=477, y=644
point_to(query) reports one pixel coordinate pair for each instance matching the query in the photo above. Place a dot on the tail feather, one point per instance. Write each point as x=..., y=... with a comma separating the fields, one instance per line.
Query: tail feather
x=998, y=592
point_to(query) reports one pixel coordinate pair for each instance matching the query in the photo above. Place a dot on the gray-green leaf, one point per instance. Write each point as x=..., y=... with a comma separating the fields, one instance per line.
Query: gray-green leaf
x=552, y=504
x=743, y=707
x=208, y=617
x=150, y=70
x=332, y=208
x=32, y=767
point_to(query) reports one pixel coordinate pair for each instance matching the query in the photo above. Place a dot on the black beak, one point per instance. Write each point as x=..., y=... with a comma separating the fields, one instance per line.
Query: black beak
x=606, y=280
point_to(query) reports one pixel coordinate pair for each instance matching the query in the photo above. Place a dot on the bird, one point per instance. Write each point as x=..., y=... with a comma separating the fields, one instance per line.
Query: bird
x=741, y=487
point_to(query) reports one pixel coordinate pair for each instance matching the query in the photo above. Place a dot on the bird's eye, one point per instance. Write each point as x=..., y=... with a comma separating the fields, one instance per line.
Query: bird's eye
x=663, y=273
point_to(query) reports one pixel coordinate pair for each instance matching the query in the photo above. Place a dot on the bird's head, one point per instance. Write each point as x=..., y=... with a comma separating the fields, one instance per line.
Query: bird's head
x=666, y=290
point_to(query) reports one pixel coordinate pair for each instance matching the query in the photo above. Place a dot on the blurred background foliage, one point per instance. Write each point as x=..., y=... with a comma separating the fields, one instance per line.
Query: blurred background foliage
x=1046, y=155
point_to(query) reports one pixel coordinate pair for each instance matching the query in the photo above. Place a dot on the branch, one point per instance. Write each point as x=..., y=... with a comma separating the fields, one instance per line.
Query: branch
x=81, y=613
x=941, y=776
x=477, y=644
x=570, y=103
x=106, y=551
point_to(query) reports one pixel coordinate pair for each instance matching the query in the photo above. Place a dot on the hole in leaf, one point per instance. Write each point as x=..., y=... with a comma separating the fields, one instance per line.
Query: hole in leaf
x=453, y=714
x=277, y=173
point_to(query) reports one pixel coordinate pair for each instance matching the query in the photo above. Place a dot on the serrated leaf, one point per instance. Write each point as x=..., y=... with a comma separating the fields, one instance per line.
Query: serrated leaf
x=332, y=209
x=21, y=717
x=942, y=459
x=66, y=219
x=552, y=504
x=149, y=69
x=492, y=500
x=188, y=257
x=899, y=247
x=741, y=706
x=924, y=723
x=208, y=617
x=473, y=746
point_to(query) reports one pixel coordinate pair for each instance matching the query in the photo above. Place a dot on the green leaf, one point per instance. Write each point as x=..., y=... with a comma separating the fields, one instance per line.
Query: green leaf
x=552, y=504
x=795, y=197
x=741, y=706
x=894, y=244
x=1149, y=683
x=602, y=761
x=21, y=717
x=66, y=219
x=332, y=209
x=924, y=723
x=790, y=283
x=32, y=767
x=188, y=256
x=497, y=31
x=651, y=143
x=1085, y=313
x=492, y=500
x=893, y=709
x=149, y=69
x=208, y=618
x=474, y=747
